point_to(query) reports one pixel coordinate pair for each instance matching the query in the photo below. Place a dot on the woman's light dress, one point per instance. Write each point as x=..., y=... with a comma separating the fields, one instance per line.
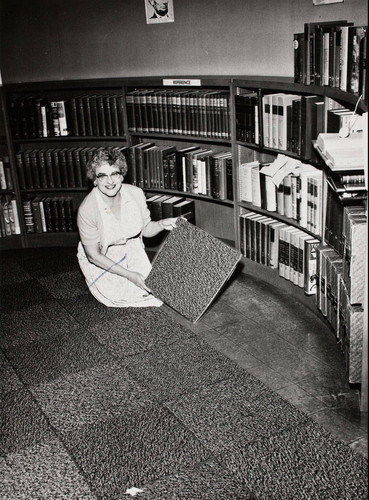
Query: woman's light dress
x=120, y=239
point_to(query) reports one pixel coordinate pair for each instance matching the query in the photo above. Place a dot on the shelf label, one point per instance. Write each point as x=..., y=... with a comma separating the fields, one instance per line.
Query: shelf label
x=187, y=82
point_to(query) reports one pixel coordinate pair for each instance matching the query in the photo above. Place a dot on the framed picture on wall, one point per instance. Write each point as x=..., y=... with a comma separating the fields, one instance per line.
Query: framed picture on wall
x=159, y=11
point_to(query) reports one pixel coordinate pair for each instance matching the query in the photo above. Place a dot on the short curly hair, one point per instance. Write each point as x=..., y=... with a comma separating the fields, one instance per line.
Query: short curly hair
x=111, y=156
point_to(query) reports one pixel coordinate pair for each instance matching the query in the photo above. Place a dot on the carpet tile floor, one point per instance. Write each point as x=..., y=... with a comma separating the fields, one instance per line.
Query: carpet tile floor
x=108, y=394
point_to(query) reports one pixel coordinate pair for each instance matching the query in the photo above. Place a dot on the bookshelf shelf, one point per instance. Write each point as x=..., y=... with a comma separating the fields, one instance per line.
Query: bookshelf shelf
x=182, y=138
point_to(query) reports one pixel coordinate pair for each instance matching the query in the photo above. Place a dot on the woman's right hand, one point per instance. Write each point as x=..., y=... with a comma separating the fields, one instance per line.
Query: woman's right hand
x=138, y=280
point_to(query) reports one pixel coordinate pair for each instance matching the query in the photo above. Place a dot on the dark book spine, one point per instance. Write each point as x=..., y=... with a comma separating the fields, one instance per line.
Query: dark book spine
x=94, y=116
x=28, y=173
x=49, y=169
x=80, y=116
x=20, y=171
x=229, y=178
x=120, y=113
x=63, y=168
x=114, y=115
x=41, y=162
x=71, y=111
x=70, y=168
x=87, y=115
x=101, y=115
x=35, y=169
x=108, y=117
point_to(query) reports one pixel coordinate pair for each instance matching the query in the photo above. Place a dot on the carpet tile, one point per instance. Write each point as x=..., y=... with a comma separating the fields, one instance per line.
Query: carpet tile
x=304, y=463
x=11, y=273
x=98, y=393
x=99, y=400
x=138, y=447
x=43, y=471
x=22, y=422
x=69, y=284
x=190, y=268
x=36, y=323
x=182, y=367
x=23, y=294
x=8, y=376
x=233, y=410
x=47, y=360
x=205, y=481
x=132, y=334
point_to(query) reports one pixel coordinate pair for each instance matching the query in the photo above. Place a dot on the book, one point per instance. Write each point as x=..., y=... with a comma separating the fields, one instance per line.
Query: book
x=310, y=269
x=156, y=207
x=307, y=118
x=167, y=206
x=245, y=181
x=185, y=209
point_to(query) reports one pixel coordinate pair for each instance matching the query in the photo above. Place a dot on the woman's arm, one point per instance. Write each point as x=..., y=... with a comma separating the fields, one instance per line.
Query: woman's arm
x=155, y=227
x=95, y=256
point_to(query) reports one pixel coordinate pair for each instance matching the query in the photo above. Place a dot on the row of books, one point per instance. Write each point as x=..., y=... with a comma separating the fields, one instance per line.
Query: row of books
x=9, y=217
x=203, y=113
x=280, y=246
x=165, y=206
x=334, y=301
x=49, y=214
x=6, y=178
x=332, y=53
x=192, y=169
x=81, y=116
x=54, y=167
x=286, y=186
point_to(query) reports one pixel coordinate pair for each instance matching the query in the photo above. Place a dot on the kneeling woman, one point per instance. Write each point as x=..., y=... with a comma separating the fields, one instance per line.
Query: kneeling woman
x=112, y=220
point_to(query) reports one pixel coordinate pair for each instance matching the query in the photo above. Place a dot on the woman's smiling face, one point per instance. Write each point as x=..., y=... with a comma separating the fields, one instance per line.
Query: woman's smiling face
x=109, y=179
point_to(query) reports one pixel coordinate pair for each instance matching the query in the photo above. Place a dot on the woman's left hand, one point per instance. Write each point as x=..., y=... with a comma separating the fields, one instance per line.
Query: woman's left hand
x=168, y=224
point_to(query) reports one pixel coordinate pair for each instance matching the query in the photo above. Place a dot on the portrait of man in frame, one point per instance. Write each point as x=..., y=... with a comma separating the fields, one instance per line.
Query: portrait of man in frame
x=159, y=11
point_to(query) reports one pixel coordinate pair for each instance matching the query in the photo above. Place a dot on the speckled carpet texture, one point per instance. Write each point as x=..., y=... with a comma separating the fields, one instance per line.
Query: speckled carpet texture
x=190, y=269
x=104, y=404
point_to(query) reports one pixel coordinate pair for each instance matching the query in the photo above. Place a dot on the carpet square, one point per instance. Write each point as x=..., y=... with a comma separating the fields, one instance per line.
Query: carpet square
x=53, y=261
x=205, y=481
x=36, y=323
x=23, y=294
x=82, y=398
x=143, y=445
x=68, y=284
x=22, y=422
x=139, y=331
x=11, y=272
x=47, y=360
x=305, y=462
x=190, y=269
x=9, y=379
x=237, y=409
x=43, y=471
x=185, y=366
x=90, y=312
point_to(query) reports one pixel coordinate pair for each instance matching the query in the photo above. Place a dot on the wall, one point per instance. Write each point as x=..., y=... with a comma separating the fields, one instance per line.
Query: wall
x=72, y=39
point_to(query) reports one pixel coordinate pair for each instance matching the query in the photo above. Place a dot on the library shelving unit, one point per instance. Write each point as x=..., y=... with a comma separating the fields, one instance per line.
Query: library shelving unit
x=168, y=112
